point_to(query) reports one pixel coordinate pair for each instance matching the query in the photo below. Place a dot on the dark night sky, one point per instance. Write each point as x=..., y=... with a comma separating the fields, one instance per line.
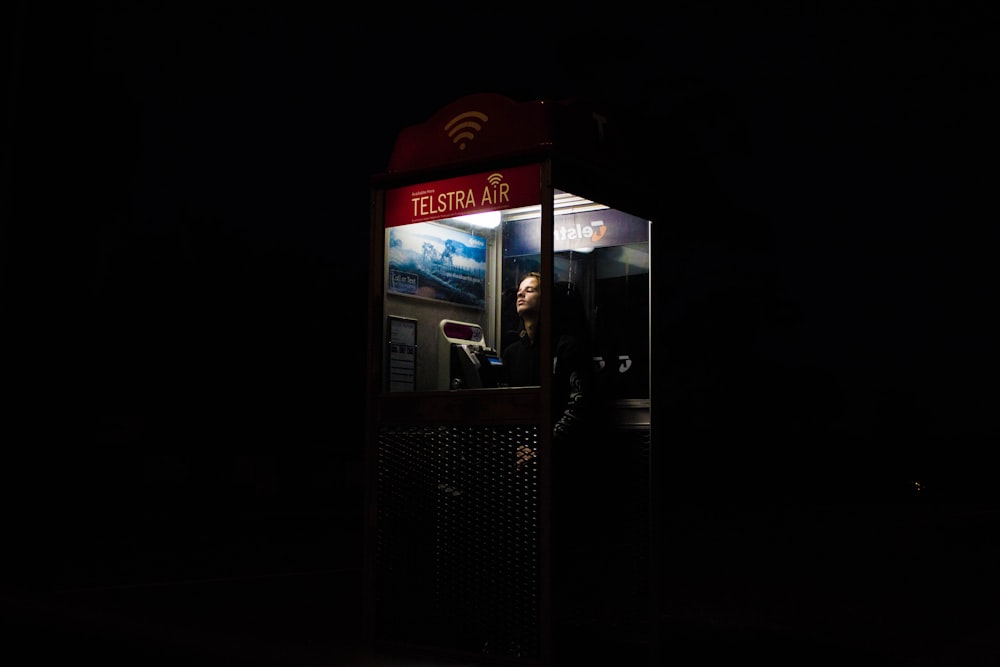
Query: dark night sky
x=185, y=200
x=186, y=194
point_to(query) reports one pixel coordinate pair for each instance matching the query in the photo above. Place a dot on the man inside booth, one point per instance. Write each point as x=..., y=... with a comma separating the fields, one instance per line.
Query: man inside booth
x=572, y=370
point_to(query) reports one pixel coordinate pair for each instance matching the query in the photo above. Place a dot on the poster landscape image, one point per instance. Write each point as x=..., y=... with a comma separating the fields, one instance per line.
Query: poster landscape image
x=434, y=261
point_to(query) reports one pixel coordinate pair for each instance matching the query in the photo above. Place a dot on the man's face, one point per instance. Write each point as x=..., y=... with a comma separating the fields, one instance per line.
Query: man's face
x=528, y=294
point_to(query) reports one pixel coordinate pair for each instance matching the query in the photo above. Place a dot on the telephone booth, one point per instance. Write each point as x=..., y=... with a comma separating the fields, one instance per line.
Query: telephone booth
x=483, y=539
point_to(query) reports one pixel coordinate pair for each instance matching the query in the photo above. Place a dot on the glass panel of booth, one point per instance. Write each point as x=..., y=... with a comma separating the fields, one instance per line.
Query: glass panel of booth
x=600, y=273
x=441, y=277
x=451, y=285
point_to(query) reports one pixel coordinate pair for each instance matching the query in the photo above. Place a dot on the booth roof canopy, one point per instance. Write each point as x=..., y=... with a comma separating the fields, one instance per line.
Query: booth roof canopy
x=489, y=126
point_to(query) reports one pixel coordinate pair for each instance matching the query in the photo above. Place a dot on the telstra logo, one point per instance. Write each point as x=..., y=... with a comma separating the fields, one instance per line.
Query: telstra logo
x=464, y=126
x=575, y=231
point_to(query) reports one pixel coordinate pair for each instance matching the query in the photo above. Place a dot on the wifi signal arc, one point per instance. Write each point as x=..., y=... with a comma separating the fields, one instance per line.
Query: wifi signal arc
x=464, y=126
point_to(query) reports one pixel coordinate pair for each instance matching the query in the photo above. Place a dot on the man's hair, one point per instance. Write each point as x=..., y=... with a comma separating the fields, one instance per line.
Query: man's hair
x=531, y=274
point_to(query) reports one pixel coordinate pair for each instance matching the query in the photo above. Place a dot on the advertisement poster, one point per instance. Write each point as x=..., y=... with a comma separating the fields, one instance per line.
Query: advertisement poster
x=437, y=262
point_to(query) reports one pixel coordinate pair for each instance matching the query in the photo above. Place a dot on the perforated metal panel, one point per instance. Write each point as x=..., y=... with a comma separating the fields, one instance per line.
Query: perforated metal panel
x=458, y=536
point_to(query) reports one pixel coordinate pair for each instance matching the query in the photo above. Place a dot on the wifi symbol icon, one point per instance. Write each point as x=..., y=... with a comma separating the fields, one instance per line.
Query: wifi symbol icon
x=464, y=126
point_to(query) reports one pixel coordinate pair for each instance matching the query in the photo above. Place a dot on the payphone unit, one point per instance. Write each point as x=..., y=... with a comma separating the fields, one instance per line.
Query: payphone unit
x=465, y=360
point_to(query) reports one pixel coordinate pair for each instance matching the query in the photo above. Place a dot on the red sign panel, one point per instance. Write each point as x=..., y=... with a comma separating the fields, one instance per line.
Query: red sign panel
x=463, y=195
x=474, y=128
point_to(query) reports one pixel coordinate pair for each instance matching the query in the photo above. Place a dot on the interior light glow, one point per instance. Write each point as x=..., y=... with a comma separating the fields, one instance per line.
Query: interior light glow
x=563, y=204
x=487, y=219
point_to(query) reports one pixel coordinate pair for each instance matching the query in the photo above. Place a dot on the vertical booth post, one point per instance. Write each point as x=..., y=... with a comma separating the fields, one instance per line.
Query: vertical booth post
x=488, y=533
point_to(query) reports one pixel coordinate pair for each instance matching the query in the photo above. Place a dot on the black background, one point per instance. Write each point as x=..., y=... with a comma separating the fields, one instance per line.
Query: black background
x=185, y=215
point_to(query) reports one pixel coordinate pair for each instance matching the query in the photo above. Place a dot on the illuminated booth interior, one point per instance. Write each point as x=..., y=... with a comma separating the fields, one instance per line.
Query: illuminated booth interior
x=464, y=539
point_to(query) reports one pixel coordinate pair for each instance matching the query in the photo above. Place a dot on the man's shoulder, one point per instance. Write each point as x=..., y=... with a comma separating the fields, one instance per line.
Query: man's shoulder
x=514, y=346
